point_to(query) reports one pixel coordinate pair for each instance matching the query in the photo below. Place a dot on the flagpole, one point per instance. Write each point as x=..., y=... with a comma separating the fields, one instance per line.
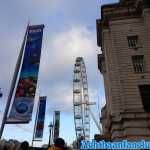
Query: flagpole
x=36, y=121
x=13, y=83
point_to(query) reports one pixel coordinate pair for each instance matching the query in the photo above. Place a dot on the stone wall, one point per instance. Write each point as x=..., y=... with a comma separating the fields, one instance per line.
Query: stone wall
x=124, y=116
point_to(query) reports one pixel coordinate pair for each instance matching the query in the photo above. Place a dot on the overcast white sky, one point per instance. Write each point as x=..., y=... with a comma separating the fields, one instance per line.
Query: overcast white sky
x=70, y=31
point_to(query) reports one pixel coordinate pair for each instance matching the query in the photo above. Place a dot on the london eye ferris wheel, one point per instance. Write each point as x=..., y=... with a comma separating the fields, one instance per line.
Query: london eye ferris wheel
x=81, y=100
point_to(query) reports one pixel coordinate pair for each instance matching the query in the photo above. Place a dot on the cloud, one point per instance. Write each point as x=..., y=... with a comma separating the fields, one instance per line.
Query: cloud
x=57, y=63
x=57, y=14
x=69, y=32
x=61, y=50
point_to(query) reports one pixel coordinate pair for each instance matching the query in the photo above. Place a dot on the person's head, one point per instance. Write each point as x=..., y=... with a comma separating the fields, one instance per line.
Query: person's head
x=7, y=146
x=59, y=142
x=24, y=145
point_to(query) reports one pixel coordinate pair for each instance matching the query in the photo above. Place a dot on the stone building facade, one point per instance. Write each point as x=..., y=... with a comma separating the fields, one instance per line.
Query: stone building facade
x=123, y=33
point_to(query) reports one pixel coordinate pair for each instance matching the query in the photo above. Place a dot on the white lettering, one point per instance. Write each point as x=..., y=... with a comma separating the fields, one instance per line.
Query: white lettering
x=35, y=30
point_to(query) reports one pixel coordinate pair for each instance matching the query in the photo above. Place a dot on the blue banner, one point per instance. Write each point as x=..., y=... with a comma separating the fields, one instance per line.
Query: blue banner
x=22, y=107
x=40, y=118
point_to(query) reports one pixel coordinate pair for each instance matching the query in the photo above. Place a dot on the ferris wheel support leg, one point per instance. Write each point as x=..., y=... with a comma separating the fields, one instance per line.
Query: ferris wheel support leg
x=94, y=119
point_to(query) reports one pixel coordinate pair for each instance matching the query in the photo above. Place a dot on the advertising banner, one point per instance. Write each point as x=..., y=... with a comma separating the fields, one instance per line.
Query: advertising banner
x=40, y=118
x=22, y=107
x=56, y=124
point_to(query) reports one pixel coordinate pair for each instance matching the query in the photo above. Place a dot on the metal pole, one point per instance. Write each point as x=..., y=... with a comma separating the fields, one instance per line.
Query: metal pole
x=50, y=134
x=35, y=124
x=1, y=94
x=18, y=64
x=97, y=124
x=49, y=143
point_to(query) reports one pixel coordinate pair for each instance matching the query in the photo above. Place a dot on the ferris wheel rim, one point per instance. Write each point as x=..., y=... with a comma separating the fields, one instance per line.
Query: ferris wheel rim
x=81, y=119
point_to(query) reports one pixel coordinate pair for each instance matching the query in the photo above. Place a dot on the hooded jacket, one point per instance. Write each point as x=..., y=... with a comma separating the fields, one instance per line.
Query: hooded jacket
x=55, y=148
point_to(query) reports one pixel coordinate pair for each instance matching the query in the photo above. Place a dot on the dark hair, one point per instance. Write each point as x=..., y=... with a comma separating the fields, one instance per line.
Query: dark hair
x=59, y=142
x=5, y=147
x=24, y=145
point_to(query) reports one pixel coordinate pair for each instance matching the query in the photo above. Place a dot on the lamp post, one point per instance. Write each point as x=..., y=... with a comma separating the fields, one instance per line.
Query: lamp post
x=50, y=134
x=1, y=94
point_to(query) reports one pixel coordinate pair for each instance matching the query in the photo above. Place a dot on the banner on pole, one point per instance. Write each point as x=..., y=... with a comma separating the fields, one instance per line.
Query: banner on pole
x=56, y=124
x=22, y=107
x=40, y=119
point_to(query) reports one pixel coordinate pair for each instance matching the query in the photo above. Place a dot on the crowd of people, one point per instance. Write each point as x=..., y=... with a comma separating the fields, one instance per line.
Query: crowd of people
x=59, y=144
x=13, y=145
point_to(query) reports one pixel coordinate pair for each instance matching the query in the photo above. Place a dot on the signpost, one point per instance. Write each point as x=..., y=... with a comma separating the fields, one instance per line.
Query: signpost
x=29, y=55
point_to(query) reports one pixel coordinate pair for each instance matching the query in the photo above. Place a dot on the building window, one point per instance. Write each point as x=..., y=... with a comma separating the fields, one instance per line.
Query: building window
x=138, y=63
x=145, y=96
x=132, y=41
